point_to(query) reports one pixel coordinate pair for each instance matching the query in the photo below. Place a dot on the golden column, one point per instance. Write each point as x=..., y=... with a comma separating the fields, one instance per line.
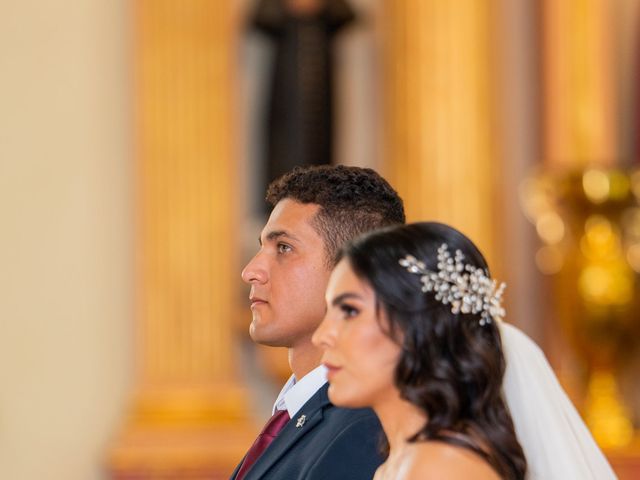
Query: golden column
x=188, y=418
x=579, y=75
x=439, y=116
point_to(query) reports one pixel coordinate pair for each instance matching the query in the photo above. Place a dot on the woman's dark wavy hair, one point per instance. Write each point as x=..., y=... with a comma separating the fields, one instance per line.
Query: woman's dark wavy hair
x=450, y=366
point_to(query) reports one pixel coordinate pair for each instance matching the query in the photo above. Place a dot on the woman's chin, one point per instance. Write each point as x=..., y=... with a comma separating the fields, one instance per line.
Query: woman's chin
x=341, y=398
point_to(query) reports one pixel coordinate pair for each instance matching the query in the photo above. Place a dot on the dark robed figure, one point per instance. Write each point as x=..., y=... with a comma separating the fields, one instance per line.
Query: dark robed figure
x=299, y=112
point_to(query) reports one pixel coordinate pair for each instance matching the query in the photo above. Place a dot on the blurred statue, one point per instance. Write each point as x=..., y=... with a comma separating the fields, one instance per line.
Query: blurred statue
x=299, y=117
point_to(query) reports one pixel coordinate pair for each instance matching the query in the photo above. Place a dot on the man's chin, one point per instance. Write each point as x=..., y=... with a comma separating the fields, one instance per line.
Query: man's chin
x=262, y=336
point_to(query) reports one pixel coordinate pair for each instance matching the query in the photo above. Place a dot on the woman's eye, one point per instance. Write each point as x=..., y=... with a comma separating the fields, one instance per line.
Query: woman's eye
x=283, y=248
x=348, y=311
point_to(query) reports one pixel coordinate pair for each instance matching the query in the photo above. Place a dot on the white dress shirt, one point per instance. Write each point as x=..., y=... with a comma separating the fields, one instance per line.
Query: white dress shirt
x=295, y=394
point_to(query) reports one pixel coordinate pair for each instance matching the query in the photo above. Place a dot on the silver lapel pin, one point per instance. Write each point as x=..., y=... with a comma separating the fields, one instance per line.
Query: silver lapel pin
x=301, y=420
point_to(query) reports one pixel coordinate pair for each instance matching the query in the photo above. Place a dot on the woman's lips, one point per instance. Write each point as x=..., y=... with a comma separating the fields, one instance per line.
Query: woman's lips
x=331, y=370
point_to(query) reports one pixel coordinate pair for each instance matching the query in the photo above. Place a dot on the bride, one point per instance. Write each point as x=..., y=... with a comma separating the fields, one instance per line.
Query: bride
x=414, y=330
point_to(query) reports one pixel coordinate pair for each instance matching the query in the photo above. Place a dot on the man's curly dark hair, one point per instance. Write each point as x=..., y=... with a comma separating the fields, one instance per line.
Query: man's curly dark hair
x=352, y=201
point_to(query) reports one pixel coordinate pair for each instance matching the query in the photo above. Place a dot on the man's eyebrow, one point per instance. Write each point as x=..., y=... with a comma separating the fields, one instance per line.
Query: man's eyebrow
x=275, y=234
x=344, y=296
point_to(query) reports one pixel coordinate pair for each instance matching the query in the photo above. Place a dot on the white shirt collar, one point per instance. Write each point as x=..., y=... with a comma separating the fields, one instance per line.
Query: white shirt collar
x=295, y=394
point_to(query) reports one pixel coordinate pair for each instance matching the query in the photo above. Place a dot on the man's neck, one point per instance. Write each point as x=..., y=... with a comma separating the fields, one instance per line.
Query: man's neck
x=303, y=358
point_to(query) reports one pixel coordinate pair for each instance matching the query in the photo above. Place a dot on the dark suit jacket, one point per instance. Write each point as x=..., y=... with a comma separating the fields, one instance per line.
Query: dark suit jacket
x=332, y=444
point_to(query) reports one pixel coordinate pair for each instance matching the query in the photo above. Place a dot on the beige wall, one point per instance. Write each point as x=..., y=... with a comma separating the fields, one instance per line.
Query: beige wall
x=66, y=235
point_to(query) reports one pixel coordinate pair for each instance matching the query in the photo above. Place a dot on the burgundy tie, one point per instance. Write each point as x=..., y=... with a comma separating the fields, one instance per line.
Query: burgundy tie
x=268, y=433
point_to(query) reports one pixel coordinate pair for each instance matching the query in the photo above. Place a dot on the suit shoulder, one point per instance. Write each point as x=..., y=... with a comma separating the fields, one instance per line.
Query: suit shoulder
x=352, y=448
x=361, y=419
x=350, y=414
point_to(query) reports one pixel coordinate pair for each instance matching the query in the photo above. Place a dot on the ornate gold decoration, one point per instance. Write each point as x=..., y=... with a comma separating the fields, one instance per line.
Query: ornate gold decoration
x=589, y=226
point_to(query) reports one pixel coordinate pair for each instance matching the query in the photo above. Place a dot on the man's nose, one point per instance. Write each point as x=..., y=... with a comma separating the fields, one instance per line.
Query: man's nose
x=255, y=271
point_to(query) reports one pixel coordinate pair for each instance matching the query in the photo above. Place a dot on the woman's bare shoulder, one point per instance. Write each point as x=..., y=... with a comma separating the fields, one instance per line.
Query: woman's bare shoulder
x=436, y=460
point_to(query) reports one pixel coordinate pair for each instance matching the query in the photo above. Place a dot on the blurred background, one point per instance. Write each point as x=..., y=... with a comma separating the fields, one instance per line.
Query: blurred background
x=136, y=141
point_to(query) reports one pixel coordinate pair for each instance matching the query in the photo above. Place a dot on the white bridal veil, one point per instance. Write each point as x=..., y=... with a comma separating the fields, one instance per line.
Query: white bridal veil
x=556, y=442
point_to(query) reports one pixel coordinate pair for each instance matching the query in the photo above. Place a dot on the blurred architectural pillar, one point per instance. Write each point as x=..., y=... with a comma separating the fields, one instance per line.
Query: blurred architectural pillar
x=579, y=71
x=440, y=119
x=188, y=416
x=579, y=122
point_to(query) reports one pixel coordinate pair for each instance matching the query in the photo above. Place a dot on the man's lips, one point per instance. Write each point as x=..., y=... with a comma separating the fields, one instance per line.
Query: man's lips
x=257, y=301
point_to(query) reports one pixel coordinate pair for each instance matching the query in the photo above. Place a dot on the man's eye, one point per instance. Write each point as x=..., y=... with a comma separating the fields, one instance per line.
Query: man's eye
x=283, y=248
x=348, y=311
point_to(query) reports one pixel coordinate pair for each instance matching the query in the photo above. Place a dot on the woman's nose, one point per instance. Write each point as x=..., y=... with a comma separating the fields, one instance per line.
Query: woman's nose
x=324, y=335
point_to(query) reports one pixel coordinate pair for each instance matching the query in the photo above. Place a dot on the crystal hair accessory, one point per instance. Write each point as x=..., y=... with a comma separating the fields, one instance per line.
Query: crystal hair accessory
x=466, y=288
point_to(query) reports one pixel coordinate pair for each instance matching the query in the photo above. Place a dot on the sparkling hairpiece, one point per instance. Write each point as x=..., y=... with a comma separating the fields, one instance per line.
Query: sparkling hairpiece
x=466, y=288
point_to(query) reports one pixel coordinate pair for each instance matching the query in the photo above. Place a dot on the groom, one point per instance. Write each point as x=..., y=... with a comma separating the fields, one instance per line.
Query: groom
x=316, y=210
